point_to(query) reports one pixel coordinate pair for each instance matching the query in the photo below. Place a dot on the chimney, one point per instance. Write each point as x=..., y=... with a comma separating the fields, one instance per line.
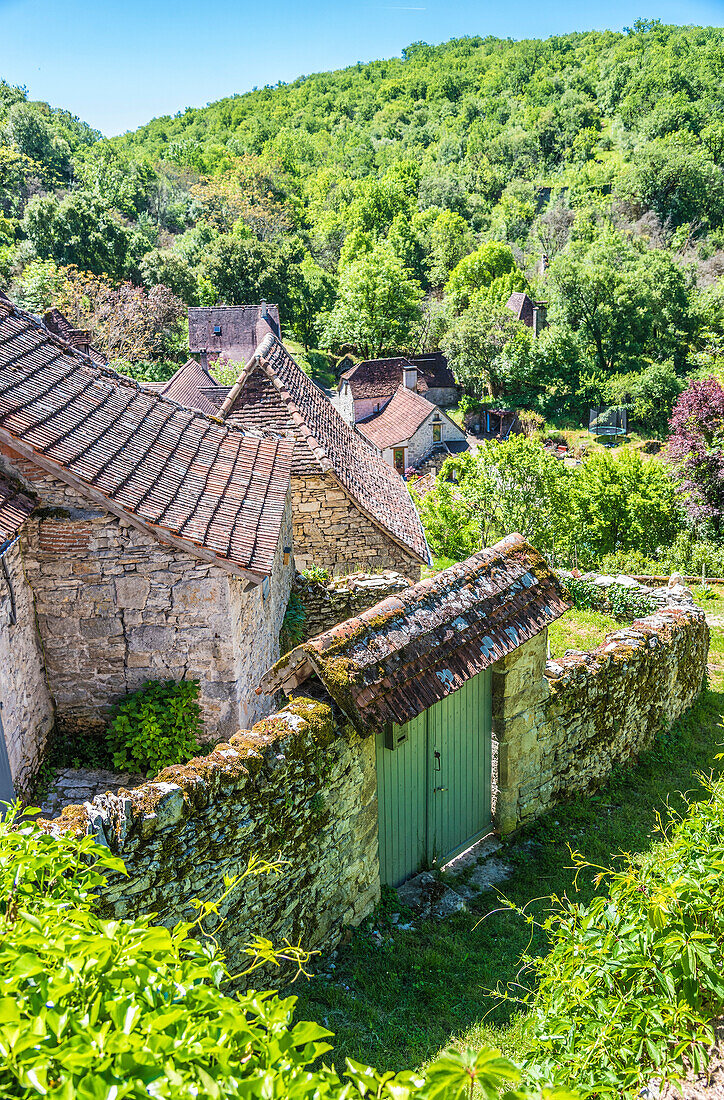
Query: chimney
x=409, y=377
x=539, y=318
x=264, y=312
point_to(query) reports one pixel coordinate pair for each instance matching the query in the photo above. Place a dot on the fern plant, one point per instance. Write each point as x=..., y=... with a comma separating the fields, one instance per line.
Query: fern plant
x=158, y=725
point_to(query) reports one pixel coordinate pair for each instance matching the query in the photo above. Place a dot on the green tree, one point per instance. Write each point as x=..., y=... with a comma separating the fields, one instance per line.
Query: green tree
x=377, y=304
x=487, y=348
x=625, y=303
x=161, y=266
x=622, y=501
x=500, y=489
x=491, y=269
x=77, y=230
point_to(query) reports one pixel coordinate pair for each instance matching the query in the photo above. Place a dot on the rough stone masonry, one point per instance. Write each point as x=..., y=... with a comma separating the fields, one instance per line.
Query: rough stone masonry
x=300, y=787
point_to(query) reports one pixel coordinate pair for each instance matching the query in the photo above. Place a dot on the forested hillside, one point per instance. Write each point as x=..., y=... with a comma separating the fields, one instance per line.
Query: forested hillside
x=395, y=205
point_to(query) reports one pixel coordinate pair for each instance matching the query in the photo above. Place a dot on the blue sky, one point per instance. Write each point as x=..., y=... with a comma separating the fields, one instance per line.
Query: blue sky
x=118, y=65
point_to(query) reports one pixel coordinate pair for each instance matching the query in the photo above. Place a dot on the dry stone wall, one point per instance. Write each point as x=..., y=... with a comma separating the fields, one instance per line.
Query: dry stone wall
x=299, y=786
x=27, y=708
x=563, y=725
x=116, y=608
x=343, y=598
x=331, y=532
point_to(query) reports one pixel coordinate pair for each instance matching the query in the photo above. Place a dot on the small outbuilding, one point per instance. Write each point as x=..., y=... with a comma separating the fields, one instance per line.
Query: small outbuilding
x=416, y=672
x=410, y=429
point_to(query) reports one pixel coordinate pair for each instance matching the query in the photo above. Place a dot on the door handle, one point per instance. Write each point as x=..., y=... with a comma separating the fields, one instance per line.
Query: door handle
x=437, y=760
x=436, y=789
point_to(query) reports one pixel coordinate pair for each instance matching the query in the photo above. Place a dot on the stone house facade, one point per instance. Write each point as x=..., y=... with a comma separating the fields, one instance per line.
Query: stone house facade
x=153, y=544
x=410, y=429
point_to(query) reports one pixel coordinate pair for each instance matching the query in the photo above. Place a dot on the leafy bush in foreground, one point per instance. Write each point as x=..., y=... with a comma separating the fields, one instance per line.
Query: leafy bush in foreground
x=633, y=979
x=101, y=1010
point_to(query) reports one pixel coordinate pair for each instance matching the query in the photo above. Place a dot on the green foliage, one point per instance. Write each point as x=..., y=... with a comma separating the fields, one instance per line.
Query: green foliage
x=95, y=1009
x=377, y=304
x=156, y=726
x=292, y=631
x=585, y=595
x=317, y=574
x=622, y=501
x=633, y=978
x=627, y=604
x=501, y=488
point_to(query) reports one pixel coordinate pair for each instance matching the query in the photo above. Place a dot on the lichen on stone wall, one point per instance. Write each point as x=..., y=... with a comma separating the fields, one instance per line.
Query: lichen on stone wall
x=298, y=787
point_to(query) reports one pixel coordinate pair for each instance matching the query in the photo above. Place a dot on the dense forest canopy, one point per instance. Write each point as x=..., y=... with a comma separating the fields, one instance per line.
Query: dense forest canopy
x=395, y=205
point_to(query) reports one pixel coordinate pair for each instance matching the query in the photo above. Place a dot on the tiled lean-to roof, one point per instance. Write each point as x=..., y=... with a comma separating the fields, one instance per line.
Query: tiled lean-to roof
x=274, y=393
x=186, y=387
x=204, y=487
x=15, y=507
x=399, y=420
x=413, y=649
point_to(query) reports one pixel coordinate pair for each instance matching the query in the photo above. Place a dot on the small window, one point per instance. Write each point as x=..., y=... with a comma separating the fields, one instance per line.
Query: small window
x=437, y=433
x=217, y=330
x=265, y=588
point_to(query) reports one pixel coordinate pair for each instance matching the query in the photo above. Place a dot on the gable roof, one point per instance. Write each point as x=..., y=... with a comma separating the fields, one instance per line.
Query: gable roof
x=15, y=507
x=399, y=420
x=414, y=649
x=374, y=378
x=57, y=323
x=204, y=487
x=242, y=328
x=522, y=306
x=274, y=393
x=186, y=387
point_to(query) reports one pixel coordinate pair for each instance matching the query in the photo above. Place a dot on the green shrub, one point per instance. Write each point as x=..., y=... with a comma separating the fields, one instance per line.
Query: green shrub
x=627, y=604
x=316, y=574
x=292, y=631
x=633, y=979
x=95, y=1010
x=585, y=595
x=156, y=726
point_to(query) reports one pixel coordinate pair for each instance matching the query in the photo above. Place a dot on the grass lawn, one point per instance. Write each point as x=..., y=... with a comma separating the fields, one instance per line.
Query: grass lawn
x=319, y=365
x=580, y=630
x=397, y=1005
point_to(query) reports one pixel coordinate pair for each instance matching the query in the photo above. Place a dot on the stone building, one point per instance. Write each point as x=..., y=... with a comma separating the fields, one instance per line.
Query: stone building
x=231, y=332
x=367, y=387
x=410, y=429
x=138, y=540
x=532, y=314
x=350, y=509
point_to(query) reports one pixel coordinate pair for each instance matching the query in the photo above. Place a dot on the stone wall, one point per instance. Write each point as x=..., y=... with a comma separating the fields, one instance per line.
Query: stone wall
x=116, y=608
x=342, y=598
x=27, y=708
x=331, y=532
x=563, y=725
x=299, y=786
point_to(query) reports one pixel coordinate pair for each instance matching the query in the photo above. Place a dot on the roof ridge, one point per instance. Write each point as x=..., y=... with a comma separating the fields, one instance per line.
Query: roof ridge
x=103, y=370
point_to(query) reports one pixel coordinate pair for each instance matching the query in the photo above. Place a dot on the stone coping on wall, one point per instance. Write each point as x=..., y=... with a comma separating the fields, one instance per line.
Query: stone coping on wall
x=180, y=790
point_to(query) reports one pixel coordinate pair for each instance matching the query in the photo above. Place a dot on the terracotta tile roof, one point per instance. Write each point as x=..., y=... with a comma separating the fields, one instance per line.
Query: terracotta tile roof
x=15, y=507
x=186, y=387
x=399, y=420
x=380, y=377
x=208, y=488
x=413, y=649
x=59, y=325
x=522, y=306
x=278, y=395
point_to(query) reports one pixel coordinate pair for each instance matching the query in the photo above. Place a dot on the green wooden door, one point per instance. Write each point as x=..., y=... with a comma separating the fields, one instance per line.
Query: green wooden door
x=433, y=790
